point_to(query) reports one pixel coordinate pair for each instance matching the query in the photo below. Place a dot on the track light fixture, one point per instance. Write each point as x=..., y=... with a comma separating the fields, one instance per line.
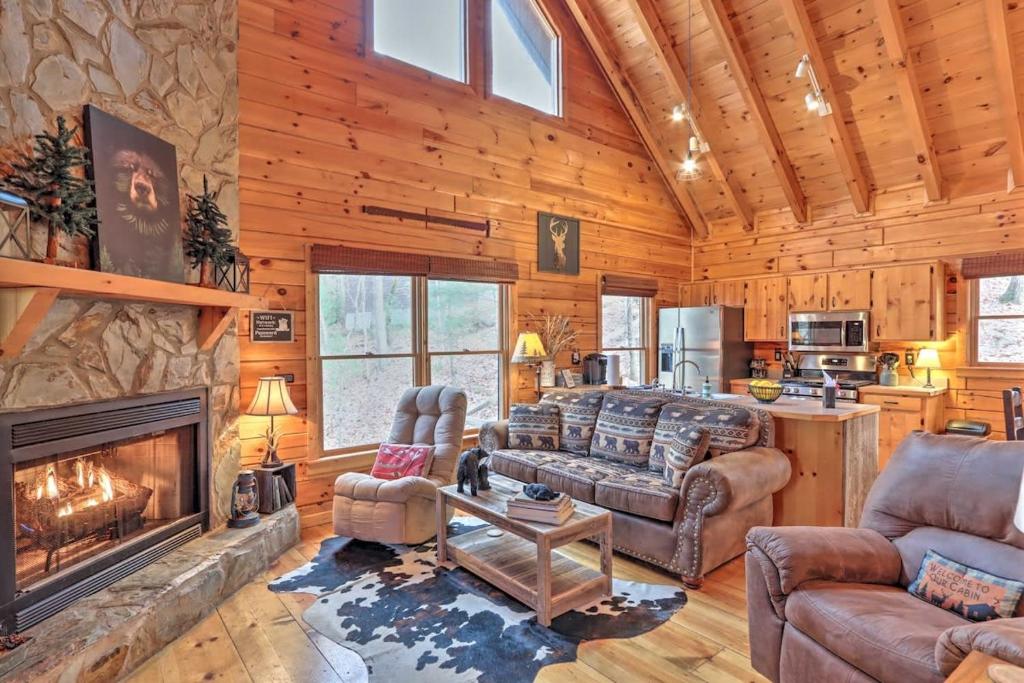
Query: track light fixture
x=815, y=98
x=677, y=113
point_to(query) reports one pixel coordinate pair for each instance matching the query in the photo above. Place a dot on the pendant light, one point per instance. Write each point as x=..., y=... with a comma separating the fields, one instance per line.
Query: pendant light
x=690, y=169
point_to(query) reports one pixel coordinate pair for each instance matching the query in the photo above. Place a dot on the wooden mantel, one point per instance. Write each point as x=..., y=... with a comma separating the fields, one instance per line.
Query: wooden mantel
x=28, y=290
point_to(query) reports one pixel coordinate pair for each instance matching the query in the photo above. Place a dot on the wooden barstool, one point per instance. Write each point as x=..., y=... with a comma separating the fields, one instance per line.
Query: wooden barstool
x=1013, y=411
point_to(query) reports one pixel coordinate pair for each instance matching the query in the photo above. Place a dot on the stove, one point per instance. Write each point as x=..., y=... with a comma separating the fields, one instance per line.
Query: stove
x=851, y=371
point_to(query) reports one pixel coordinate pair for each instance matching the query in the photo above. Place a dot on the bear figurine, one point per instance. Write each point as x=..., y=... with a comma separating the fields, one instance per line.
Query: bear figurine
x=473, y=468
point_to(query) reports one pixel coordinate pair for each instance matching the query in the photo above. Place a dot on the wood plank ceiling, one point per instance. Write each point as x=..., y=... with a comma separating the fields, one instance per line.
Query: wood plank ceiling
x=924, y=94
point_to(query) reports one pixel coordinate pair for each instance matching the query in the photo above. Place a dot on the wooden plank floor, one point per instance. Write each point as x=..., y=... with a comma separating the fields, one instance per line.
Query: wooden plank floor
x=259, y=636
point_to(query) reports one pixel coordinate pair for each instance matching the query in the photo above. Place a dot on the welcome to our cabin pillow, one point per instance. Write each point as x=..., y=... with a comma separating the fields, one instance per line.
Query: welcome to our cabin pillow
x=395, y=461
x=968, y=592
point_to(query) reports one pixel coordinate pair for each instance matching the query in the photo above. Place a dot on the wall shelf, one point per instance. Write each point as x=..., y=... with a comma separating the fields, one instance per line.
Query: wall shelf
x=28, y=290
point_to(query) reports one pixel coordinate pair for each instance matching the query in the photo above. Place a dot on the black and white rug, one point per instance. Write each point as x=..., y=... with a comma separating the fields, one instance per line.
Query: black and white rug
x=405, y=617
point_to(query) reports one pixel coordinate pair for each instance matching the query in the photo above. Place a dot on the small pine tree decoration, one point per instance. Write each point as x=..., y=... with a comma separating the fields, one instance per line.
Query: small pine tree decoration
x=51, y=181
x=207, y=237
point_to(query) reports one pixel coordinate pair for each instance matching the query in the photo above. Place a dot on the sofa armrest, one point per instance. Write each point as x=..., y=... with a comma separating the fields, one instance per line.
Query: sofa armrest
x=734, y=480
x=493, y=436
x=359, y=486
x=804, y=553
x=1002, y=638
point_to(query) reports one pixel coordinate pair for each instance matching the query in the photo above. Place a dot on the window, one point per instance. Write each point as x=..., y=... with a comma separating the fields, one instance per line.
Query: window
x=381, y=334
x=430, y=34
x=624, y=333
x=524, y=55
x=999, y=320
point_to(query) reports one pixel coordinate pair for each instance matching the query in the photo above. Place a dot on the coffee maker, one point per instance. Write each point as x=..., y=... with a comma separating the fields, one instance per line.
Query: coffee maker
x=595, y=368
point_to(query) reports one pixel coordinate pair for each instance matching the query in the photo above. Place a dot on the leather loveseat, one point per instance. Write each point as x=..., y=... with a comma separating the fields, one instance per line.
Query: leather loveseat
x=687, y=529
x=831, y=604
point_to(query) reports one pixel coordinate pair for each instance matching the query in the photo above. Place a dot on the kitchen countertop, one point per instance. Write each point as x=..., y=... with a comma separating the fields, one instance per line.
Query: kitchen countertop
x=903, y=390
x=808, y=410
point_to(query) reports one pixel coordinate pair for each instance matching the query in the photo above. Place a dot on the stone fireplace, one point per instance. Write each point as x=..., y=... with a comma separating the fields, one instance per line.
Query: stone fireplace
x=93, y=492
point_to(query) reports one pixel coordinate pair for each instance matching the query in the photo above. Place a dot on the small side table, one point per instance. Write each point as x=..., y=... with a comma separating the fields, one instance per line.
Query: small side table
x=266, y=482
x=974, y=669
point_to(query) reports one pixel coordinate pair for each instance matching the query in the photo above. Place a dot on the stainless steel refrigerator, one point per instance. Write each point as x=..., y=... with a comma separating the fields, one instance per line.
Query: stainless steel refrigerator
x=709, y=336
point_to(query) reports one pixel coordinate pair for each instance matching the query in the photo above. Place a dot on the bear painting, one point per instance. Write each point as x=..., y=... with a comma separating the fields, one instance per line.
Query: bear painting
x=136, y=177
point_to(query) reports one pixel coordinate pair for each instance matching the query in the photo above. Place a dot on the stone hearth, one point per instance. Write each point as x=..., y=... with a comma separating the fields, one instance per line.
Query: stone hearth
x=109, y=634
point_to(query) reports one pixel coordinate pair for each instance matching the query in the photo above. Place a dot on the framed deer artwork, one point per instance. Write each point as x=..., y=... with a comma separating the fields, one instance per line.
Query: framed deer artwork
x=558, y=244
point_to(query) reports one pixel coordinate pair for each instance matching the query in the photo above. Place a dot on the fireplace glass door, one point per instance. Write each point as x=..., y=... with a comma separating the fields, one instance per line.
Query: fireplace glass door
x=70, y=508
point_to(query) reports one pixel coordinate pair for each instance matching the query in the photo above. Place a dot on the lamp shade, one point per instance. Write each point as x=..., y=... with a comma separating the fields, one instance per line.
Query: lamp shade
x=272, y=398
x=529, y=348
x=928, y=359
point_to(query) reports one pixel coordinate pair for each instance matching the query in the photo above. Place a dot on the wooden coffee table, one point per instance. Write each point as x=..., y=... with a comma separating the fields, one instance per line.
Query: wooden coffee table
x=520, y=562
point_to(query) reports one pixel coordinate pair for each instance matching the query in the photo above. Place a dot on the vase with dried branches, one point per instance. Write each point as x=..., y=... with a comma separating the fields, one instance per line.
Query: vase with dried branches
x=557, y=334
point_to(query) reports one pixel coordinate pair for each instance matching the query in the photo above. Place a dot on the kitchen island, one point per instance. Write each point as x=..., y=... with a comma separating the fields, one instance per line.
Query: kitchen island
x=834, y=454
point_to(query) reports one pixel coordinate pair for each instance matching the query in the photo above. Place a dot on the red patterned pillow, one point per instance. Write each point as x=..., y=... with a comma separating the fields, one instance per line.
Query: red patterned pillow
x=395, y=461
x=963, y=590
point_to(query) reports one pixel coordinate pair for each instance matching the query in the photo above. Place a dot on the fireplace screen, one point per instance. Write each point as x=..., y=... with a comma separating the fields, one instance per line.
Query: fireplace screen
x=70, y=508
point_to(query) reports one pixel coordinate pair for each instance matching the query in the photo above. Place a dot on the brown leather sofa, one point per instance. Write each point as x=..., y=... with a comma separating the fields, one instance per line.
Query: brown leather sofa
x=688, y=530
x=830, y=604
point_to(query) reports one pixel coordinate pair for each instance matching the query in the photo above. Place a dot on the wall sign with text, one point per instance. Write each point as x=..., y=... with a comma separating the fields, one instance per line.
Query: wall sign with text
x=272, y=326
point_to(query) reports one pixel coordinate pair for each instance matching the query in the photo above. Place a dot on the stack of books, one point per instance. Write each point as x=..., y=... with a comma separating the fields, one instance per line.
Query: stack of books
x=545, y=511
x=282, y=495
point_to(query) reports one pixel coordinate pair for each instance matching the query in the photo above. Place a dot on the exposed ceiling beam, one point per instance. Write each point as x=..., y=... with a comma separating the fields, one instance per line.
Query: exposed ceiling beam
x=910, y=96
x=835, y=123
x=718, y=18
x=674, y=73
x=596, y=40
x=1009, y=91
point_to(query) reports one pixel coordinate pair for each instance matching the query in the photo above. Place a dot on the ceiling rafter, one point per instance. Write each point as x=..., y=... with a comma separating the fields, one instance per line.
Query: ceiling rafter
x=898, y=50
x=835, y=123
x=676, y=76
x=718, y=18
x=1009, y=90
x=624, y=91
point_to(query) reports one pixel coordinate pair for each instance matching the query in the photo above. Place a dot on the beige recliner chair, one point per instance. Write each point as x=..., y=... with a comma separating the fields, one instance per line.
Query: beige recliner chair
x=402, y=510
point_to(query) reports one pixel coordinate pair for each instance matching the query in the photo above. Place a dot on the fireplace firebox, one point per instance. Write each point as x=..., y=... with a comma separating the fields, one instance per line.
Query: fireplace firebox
x=91, y=493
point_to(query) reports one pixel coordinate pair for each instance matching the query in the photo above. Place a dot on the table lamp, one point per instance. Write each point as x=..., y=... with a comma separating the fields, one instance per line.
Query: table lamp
x=530, y=351
x=929, y=360
x=271, y=399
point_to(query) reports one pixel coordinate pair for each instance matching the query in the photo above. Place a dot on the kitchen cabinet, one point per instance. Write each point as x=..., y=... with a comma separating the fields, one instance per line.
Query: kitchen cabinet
x=907, y=303
x=903, y=409
x=765, y=316
x=700, y=294
x=808, y=293
x=728, y=293
x=849, y=290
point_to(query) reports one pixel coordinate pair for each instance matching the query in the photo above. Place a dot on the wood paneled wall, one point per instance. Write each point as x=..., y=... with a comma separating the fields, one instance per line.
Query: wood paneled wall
x=325, y=130
x=900, y=231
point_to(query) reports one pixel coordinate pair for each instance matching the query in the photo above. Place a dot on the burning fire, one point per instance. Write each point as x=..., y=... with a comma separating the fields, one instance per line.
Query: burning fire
x=87, y=478
x=106, y=485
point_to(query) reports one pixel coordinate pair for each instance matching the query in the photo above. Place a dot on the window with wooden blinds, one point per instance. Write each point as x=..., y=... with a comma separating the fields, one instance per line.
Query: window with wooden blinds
x=341, y=259
x=625, y=285
x=996, y=265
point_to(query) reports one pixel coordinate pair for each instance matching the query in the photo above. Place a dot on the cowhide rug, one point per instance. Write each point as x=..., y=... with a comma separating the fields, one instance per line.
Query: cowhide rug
x=409, y=620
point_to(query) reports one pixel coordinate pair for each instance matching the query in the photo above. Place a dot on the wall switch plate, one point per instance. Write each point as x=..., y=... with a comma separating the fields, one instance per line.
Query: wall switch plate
x=575, y=356
x=778, y=354
x=289, y=378
x=908, y=358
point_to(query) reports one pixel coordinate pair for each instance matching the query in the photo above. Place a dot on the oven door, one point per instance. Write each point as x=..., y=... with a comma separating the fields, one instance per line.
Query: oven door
x=826, y=332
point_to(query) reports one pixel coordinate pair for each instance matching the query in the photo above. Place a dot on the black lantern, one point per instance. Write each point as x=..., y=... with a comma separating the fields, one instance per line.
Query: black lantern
x=15, y=227
x=233, y=274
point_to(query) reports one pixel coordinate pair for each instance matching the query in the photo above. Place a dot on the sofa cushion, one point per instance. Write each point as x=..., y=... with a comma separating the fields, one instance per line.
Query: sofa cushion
x=673, y=417
x=578, y=415
x=577, y=478
x=625, y=429
x=732, y=428
x=687, y=449
x=882, y=630
x=965, y=591
x=533, y=425
x=522, y=464
x=638, y=492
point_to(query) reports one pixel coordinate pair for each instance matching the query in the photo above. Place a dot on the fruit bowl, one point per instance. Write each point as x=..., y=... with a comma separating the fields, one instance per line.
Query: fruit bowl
x=766, y=393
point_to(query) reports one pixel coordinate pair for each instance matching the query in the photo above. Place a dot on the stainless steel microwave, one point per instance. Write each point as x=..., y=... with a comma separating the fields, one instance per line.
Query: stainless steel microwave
x=842, y=331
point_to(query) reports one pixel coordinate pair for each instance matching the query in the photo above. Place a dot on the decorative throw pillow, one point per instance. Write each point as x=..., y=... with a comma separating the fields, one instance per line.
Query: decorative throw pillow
x=674, y=416
x=533, y=425
x=732, y=428
x=395, y=461
x=625, y=429
x=688, y=448
x=578, y=417
x=968, y=592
